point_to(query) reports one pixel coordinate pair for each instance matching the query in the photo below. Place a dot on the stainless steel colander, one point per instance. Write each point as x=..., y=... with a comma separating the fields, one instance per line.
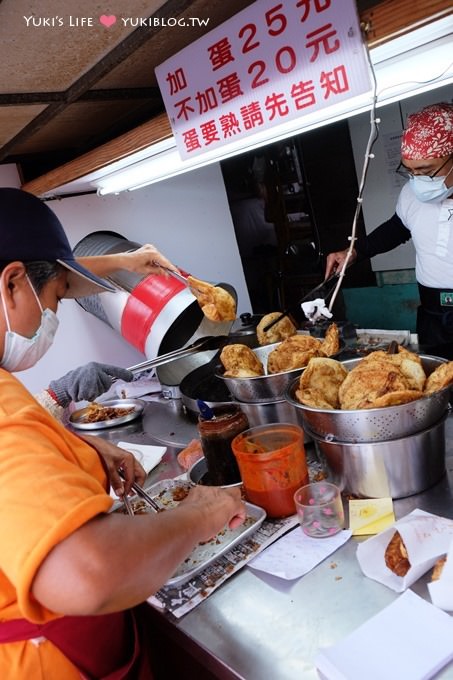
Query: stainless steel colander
x=262, y=388
x=374, y=424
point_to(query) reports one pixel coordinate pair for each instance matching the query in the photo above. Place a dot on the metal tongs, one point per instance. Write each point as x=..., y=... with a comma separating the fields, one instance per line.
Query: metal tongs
x=323, y=289
x=208, y=342
x=143, y=495
x=178, y=276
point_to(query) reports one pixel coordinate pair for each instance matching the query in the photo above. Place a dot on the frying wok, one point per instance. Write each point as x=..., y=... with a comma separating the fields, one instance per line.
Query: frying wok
x=202, y=383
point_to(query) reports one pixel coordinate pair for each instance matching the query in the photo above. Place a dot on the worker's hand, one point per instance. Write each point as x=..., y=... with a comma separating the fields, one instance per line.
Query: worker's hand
x=146, y=260
x=335, y=261
x=87, y=382
x=217, y=508
x=116, y=458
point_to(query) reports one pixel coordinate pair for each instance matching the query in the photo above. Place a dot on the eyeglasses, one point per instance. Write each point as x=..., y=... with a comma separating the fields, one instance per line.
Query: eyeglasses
x=407, y=174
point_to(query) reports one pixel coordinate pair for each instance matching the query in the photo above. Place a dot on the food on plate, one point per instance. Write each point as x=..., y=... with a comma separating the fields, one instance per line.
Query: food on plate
x=139, y=507
x=294, y=352
x=96, y=413
x=280, y=331
x=215, y=302
x=320, y=382
x=438, y=568
x=189, y=456
x=178, y=493
x=441, y=377
x=396, y=557
x=240, y=361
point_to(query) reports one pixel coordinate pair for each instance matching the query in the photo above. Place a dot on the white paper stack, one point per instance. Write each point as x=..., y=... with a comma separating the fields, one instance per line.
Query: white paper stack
x=408, y=640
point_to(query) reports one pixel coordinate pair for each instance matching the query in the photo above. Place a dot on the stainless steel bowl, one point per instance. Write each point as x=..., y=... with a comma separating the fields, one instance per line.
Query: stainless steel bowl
x=395, y=468
x=262, y=388
x=374, y=424
x=262, y=413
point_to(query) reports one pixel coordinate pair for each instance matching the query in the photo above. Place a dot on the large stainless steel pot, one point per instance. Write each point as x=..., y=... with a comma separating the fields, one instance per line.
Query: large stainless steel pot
x=156, y=314
x=396, y=468
x=374, y=424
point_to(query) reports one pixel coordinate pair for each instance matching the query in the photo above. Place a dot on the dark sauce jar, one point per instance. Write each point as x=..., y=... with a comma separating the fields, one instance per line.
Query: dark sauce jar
x=216, y=436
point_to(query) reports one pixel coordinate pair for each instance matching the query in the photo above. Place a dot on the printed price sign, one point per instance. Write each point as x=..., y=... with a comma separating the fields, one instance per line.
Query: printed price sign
x=271, y=63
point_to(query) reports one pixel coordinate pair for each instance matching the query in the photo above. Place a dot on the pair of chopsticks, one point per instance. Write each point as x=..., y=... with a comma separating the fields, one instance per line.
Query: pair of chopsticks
x=143, y=495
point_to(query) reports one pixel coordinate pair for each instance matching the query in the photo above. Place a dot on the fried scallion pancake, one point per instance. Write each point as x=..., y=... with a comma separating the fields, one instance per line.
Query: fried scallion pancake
x=215, y=302
x=294, y=352
x=240, y=361
x=280, y=331
x=383, y=379
x=441, y=377
x=331, y=343
x=379, y=380
x=408, y=363
x=363, y=387
x=320, y=382
x=438, y=568
x=396, y=557
x=396, y=398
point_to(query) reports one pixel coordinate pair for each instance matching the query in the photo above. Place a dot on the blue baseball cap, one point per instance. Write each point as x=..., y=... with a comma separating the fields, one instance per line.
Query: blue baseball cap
x=30, y=231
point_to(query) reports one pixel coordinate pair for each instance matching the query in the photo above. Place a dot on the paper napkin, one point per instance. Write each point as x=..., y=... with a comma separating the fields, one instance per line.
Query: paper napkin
x=409, y=640
x=295, y=554
x=441, y=591
x=370, y=516
x=148, y=456
x=426, y=537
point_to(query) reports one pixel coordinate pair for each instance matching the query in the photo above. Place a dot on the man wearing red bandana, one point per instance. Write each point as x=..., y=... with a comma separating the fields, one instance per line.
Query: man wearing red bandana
x=424, y=213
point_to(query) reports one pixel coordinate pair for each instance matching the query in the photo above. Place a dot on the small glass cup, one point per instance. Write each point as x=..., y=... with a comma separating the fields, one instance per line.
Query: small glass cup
x=320, y=509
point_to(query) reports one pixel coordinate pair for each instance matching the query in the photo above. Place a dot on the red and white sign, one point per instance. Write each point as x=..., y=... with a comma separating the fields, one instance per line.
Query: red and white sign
x=271, y=63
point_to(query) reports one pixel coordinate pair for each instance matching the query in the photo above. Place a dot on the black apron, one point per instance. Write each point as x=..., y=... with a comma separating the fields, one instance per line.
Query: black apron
x=435, y=316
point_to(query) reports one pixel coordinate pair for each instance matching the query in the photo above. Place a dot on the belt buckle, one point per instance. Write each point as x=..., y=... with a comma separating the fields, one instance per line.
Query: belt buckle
x=446, y=299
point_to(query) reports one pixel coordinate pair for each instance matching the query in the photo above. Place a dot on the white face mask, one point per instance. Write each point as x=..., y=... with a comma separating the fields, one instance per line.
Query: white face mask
x=430, y=190
x=20, y=352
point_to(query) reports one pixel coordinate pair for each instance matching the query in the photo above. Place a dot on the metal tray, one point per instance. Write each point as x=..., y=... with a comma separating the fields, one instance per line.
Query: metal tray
x=374, y=338
x=77, y=419
x=203, y=554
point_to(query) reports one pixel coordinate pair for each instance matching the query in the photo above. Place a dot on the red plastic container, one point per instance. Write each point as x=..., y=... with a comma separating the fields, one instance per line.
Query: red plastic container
x=273, y=466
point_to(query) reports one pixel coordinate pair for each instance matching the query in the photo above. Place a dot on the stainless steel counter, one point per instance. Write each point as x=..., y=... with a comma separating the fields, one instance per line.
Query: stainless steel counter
x=256, y=626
